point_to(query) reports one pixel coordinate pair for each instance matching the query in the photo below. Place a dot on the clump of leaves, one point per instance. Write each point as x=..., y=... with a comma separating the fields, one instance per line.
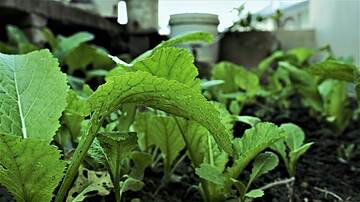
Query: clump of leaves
x=218, y=179
x=292, y=147
x=33, y=95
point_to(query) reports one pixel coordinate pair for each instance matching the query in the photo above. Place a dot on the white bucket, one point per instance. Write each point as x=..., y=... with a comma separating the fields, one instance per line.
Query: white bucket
x=192, y=22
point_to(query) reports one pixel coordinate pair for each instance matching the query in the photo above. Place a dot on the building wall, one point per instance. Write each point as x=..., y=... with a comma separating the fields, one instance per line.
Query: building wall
x=337, y=22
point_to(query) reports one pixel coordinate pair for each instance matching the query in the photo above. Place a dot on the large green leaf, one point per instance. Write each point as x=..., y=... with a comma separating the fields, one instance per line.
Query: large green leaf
x=79, y=58
x=32, y=94
x=195, y=137
x=194, y=37
x=211, y=174
x=302, y=54
x=30, y=169
x=357, y=84
x=334, y=69
x=266, y=63
x=164, y=133
x=254, y=141
x=226, y=71
x=247, y=81
x=169, y=63
x=334, y=94
x=306, y=85
x=84, y=55
x=202, y=37
x=167, y=95
x=71, y=42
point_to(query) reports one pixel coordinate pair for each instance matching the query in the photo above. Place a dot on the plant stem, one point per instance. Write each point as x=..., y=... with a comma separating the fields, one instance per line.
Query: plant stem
x=78, y=157
x=329, y=192
x=128, y=117
x=204, y=185
x=276, y=183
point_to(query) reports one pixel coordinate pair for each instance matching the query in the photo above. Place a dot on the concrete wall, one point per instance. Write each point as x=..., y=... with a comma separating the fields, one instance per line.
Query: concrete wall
x=337, y=22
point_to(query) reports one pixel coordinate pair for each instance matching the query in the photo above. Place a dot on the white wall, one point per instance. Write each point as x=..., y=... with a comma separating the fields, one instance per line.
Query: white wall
x=337, y=22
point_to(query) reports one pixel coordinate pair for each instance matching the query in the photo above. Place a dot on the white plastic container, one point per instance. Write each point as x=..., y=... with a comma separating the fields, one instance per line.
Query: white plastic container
x=192, y=22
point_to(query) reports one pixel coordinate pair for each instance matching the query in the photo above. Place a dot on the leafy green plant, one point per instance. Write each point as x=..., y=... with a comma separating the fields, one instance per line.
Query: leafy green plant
x=338, y=70
x=238, y=89
x=346, y=152
x=148, y=110
x=292, y=147
x=142, y=85
x=34, y=95
x=17, y=42
x=74, y=52
x=218, y=179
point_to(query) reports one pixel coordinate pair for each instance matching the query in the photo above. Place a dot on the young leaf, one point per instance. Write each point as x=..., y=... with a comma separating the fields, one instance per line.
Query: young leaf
x=211, y=173
x=255, y=193
x=265, y=64
x=141, y=160
x=50, y=37
x=251, y=120
x=263, y=163
x=254, y=141
x=167, y=95
x=294, y=141
x=130, y=184
x=295, y=154
x=15, y=35
x=32, y=91
x=30, y=169
x=280, y=148
x=206, y=84
x=117, y=147
x=295, y=135
x=89, y=183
